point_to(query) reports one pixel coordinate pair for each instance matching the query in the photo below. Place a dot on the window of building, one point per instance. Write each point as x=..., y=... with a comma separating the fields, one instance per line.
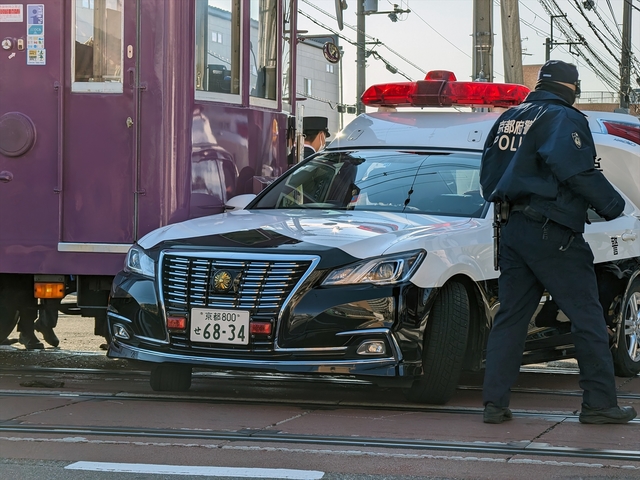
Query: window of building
x=216, y=37
x=330, y=68
x=307, y=86
x=263, y=48
x=217, y=55
x=97, y=46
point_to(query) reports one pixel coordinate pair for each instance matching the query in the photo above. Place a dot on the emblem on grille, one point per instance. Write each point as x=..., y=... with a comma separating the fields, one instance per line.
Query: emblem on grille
x=222, y=281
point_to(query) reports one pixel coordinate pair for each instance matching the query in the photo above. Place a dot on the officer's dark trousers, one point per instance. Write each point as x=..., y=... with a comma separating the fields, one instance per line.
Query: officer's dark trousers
x=530, y=263
x=48, y=312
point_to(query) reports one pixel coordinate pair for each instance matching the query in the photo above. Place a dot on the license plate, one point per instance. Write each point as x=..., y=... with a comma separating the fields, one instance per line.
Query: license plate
x=229, y=327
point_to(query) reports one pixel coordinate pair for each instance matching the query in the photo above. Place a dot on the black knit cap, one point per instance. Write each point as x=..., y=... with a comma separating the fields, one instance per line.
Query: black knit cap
x=558, y=71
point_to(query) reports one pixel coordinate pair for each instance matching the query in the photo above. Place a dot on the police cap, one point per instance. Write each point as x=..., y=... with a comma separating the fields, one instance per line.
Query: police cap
x=316, y=124
x=558, y=71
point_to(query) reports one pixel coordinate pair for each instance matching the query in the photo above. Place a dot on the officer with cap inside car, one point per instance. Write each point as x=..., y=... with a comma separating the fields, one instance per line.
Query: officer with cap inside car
x=538, y=168
x=316, y=131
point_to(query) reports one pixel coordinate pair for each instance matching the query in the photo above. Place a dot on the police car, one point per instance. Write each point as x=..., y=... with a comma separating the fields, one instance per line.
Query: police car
x=373, y=259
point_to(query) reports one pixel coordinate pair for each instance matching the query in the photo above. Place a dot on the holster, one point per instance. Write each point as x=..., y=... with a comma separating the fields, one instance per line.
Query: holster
x=500, y=218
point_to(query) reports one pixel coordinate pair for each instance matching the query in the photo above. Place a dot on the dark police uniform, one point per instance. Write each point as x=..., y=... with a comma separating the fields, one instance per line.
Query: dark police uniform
x=539, y=158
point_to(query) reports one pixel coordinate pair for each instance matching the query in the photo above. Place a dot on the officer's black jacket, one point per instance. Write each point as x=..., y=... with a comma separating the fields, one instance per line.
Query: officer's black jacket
x=542, y=153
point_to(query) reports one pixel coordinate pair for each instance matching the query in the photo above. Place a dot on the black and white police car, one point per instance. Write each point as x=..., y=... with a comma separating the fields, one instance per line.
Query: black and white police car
x=373, y=259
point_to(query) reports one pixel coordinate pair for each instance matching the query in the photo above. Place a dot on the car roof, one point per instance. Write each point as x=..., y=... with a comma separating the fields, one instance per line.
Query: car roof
x=409, y=129
x=416, y=129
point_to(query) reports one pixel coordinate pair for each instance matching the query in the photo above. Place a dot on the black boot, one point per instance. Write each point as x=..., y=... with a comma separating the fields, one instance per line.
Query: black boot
x=47, y=333
x=30, y=341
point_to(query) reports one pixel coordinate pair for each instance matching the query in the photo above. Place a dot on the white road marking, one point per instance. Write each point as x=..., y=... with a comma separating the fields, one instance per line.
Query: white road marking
x=273, y=473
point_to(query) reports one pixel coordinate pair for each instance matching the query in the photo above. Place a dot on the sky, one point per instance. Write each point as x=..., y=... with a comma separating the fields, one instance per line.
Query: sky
x=437, y=35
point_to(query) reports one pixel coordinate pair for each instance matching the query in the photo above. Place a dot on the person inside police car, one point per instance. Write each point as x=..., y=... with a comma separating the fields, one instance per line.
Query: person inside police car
x=539, y=165
x=316, y=132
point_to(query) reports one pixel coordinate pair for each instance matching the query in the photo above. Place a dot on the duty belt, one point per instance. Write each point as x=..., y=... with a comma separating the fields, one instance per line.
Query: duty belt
x=527, y=212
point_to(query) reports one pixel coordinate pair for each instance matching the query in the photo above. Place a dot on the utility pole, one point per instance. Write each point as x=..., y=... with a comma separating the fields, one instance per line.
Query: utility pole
x=482, y=40
x=625, y=64
x=511, y=42
x=361, y=62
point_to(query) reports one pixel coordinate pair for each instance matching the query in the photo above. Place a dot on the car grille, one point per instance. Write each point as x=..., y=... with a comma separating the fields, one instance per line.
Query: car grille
x=261, y=287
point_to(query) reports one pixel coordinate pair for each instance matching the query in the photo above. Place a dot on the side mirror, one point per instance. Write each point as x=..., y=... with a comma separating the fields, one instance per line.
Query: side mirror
x=239, y=202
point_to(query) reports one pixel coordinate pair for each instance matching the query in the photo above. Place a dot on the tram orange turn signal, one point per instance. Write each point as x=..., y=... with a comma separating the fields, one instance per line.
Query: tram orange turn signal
x=441, y=89
x=48, y=290
x=176, y=323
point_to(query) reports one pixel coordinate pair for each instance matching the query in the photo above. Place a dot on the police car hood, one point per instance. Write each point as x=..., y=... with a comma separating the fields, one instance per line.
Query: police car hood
x=358, y=233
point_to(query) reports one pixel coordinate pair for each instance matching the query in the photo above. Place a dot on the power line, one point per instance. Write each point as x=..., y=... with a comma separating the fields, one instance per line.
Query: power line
x=604, y=71
x=368, y=36
x=376, y=55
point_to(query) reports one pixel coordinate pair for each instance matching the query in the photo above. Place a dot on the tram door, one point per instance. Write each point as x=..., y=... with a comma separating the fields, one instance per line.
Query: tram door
x=30, y=89
x=101, y=124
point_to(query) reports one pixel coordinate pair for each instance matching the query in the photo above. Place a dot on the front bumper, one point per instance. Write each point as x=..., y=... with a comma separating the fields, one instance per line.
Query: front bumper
x=316, y=330
x=378, y=367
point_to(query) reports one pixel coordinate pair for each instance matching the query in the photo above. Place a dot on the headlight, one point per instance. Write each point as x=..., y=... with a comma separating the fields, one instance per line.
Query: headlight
x=138, y=261
x=379, y=271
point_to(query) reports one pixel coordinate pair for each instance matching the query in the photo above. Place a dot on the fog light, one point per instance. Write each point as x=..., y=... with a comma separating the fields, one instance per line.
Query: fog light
x=176, y=323
x=372, y=347
x=120, y=332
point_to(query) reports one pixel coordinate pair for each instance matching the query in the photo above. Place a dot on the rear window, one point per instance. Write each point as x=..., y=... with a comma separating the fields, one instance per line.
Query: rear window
x=382, y=180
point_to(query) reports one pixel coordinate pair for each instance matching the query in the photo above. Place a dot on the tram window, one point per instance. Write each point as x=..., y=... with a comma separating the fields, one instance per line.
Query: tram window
x=263, y=48
x=217, y=46
x=97, y=46
x=287, y=46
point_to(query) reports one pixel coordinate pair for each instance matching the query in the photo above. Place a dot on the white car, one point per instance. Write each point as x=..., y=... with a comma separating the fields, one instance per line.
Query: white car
x=372, y=259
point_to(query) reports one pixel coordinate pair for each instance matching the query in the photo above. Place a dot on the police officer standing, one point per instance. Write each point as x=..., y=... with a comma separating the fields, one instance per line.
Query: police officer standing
x=538, y=168
x=316, y=131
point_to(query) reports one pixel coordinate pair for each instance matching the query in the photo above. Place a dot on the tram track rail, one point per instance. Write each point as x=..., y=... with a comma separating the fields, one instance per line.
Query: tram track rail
x=262, y=436
x=527, y=448
x=268, y=377
x=554, y=416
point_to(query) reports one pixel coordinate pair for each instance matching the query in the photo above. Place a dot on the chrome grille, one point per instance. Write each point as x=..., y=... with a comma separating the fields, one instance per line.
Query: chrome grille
x=262, y=288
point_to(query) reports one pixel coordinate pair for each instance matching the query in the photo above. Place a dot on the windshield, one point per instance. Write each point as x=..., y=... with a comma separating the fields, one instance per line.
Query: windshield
x=382, y=180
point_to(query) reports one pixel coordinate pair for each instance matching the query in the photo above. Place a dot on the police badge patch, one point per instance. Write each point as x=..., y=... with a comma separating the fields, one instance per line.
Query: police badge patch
x=576, y=139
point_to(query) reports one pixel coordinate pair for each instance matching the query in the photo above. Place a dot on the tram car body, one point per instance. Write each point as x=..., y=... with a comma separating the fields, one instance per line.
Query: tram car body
x=118, y=117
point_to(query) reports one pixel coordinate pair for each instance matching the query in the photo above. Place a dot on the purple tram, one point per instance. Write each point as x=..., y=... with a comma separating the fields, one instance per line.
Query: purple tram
x=121, y=116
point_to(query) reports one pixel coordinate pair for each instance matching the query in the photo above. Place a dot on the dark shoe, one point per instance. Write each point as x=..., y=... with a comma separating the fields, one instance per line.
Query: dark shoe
x=493, y=414
x=31, y=342
x=47, y=333
x=600, y=416
x=9, y=341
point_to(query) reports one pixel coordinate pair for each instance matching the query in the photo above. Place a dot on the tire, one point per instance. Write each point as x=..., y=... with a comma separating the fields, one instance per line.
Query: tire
x=170, y=378
x=445, y=343
x=626, y=350
x=8, y=312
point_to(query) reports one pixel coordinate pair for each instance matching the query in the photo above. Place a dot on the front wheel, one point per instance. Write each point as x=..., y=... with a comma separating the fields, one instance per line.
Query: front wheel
x=171, y=378
x=445, y=343
x=626, y=351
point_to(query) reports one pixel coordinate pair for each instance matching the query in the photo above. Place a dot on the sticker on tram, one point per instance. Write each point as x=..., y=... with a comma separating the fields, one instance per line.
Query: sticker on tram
x=229, y=327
